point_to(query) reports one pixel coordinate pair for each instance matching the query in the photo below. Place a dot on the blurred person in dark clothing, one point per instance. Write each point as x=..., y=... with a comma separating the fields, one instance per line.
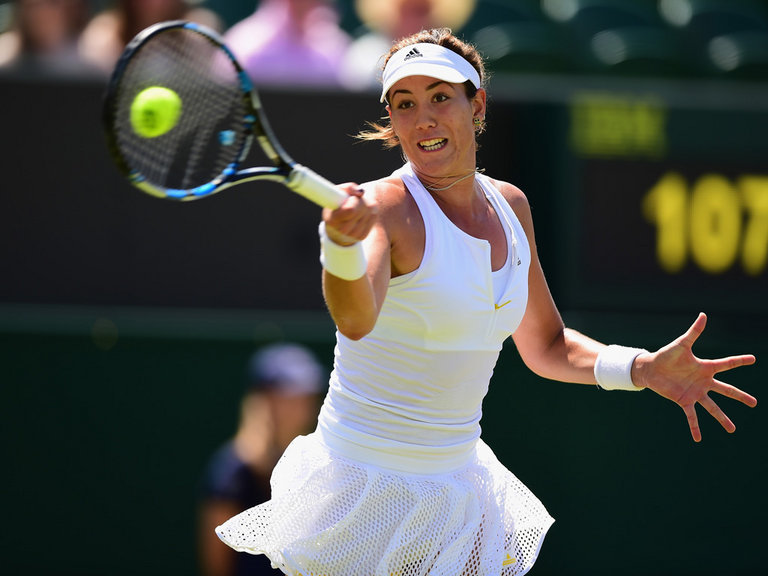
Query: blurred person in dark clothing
x=281, y=401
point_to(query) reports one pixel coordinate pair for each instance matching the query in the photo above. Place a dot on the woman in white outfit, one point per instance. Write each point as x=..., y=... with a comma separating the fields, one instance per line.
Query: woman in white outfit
x=426, y=272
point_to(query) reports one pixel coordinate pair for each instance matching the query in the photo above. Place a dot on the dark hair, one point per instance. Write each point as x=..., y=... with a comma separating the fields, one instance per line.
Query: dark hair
x=443, y=37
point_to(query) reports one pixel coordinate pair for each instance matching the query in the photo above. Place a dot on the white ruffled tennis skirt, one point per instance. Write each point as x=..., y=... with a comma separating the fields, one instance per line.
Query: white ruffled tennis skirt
x=333, y=516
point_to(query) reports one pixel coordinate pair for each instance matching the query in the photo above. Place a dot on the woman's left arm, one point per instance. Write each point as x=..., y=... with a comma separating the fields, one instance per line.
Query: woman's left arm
x=553, y=351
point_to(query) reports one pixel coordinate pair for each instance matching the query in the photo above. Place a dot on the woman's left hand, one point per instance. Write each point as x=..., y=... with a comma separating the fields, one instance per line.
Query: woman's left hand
x=675, y=373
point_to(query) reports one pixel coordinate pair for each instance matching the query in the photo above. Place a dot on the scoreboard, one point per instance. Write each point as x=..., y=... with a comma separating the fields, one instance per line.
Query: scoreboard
x=663, y=202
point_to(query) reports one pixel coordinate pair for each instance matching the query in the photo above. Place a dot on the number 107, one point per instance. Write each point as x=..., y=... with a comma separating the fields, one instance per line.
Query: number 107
x=714, y=222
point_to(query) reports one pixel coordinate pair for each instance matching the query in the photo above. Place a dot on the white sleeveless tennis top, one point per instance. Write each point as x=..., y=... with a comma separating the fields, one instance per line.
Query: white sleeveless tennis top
x=408, y=396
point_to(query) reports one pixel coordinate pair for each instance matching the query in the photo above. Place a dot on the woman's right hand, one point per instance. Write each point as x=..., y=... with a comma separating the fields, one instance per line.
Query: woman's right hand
x=352, y=221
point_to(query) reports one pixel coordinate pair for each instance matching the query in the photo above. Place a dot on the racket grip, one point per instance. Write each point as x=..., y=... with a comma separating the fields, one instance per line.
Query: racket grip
x=314, y=187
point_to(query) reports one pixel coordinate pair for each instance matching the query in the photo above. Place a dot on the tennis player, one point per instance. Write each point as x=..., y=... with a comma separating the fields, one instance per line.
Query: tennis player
x=426, y=273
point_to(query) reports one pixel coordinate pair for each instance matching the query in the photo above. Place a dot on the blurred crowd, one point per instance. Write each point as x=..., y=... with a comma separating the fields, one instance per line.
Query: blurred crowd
x=337, y=43
x=285, y=42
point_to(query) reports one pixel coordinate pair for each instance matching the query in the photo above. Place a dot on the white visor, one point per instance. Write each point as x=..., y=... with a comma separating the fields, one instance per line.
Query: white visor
x=427, y=59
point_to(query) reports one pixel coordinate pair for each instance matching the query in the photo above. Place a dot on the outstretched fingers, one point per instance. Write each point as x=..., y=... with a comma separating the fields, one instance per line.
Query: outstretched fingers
x=734, y=393
x=687, y=380
x=717, y=413
x=731, y=362
x=693, y=333
x=693, y=421
x=714, y=410
x=711, y=407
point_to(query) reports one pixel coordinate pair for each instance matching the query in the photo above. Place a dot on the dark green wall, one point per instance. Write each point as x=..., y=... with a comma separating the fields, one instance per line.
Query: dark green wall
x=104, y=448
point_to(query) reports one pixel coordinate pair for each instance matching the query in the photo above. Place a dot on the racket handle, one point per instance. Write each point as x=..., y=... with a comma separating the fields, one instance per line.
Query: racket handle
x=314, y=187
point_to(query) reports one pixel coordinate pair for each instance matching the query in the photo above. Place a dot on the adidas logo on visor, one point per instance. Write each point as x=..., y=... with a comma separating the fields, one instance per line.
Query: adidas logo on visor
x=413, y=54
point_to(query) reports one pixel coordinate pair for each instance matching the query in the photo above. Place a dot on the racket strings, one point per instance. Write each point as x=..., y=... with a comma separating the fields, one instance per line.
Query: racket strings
x=210, y=134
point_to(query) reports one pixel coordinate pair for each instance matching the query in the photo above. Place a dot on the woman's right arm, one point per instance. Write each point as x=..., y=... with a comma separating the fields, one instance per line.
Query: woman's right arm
x=354, y=304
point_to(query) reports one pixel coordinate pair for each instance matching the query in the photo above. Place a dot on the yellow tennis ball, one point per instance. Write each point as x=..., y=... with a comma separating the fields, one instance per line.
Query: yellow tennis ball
x=155, y=111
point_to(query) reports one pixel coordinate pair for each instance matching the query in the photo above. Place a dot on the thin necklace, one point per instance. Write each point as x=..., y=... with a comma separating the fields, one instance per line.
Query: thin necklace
x=452, y=184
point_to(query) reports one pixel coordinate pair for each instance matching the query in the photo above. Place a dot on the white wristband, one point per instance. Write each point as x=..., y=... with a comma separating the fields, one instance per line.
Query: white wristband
x=613, y=368
x=345, y=262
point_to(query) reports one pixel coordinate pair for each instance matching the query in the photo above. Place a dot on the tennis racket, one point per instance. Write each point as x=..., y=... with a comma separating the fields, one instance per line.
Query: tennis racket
x=220, y=115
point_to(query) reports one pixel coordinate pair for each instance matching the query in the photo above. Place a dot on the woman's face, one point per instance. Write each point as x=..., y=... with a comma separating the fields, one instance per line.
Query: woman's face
x=434, y=122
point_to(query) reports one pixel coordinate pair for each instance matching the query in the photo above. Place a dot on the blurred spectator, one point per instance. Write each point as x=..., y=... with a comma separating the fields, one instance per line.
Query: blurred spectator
x=43, y=36
x=108, y=32
x=388, y=20
x=291, y=43
x=281, y=401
